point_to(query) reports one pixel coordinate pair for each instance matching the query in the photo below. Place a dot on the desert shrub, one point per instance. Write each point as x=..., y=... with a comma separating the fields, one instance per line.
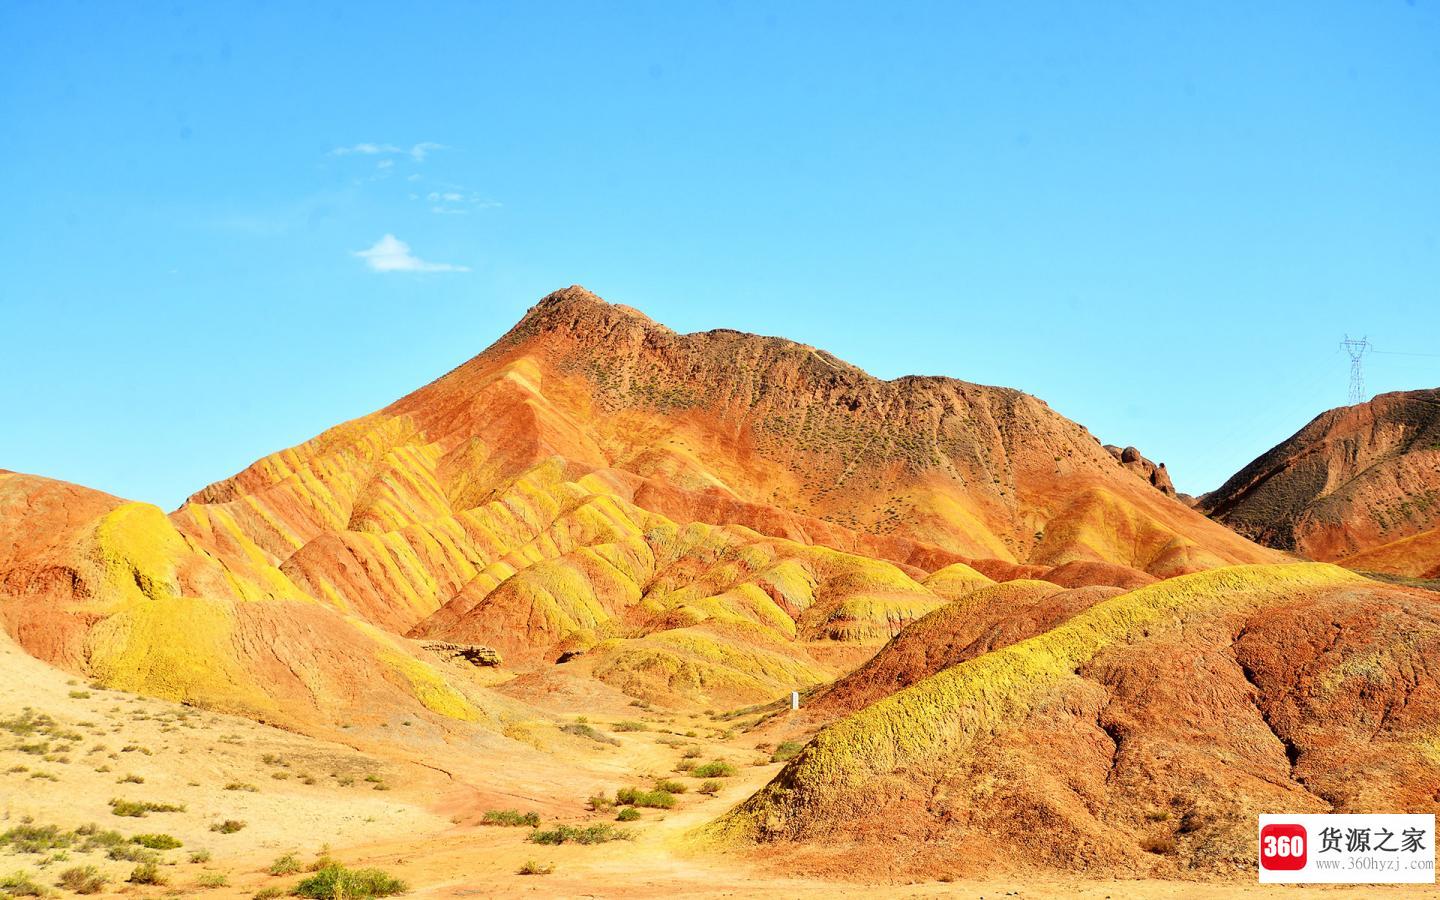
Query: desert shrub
x=629, y=725
x=599, y=833
x=335, y=881
x=710, y=787
x=213, y=880
x=715, y=769
x=636, y=797
x=96, y=839
x=692, y=752
x=141, y=808
x=131, y=779
x=36, y=838
x=586, y=731
x=20, y=884
x=670, y=786
x=531, y=867
x=156, y=841
x=146, y=873
x=511, y=817
x=229, y=826
x=786, y=750
x=269, y=893
x=241, y=786
x=199, y=856
x=82, y=880
x=599, y=802
x=628, y=814
x=685, y=765
x=132, y=853
x=284, y=865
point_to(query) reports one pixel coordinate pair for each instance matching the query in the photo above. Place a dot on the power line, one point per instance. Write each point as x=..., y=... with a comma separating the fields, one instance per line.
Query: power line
x=1402, y=353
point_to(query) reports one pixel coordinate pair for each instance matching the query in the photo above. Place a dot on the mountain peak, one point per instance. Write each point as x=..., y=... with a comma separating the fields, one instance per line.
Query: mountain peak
x=574, y=306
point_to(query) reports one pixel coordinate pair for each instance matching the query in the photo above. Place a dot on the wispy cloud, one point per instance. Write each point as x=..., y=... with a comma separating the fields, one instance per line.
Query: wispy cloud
x=417, y=152
x=366, y=150
x=390, y=254
x=457, y=202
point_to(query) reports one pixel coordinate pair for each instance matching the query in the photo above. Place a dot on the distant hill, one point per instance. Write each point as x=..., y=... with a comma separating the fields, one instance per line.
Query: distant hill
x=1359, y=485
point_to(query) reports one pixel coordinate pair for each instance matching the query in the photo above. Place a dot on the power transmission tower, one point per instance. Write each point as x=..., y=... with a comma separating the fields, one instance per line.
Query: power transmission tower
x=1357, y=350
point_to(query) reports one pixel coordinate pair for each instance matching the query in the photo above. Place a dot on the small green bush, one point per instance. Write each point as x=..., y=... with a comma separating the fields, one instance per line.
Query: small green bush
x=285, y=865
x=636, y=797
x=599, y=833
x=146, y=873
x=670, y=786
x=786, y=751
x=199, y=856
x=241, y=786
x=335, y=882
x=36, y=838
x=83, y=880
x=511, y=817
x=141, y=808
x=580, y=729
x=213, y=880
x=628, y=814
x=269, y=893
x=710, y=787
x=629, y=725
x=715, y=769
x=132, y=853
x=229, y=826
x=20, y=884
x=531, y=867
x=156, y=841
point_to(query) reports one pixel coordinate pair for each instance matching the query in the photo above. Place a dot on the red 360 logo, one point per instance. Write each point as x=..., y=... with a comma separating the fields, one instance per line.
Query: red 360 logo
x=1282, y=847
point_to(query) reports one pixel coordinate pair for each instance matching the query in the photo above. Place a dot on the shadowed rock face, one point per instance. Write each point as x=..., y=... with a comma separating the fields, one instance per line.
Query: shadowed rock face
x=1359, y=485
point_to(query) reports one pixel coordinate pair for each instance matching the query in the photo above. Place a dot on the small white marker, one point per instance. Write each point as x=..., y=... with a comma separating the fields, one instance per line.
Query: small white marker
x=794, y=699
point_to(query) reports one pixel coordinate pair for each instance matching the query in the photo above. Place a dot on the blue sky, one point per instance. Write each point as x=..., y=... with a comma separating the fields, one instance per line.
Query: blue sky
x=1159, y=219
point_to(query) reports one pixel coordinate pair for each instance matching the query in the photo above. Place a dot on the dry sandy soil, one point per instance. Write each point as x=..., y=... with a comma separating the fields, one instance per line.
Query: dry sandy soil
x=392, y=805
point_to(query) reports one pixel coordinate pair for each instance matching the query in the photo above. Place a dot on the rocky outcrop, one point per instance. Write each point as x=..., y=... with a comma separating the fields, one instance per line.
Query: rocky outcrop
x=1152, y=473
x=474, y=654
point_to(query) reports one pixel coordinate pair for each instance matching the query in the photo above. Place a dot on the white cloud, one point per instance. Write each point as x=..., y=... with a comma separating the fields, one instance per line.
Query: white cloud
x=366, y=150
x=385, y=164
x=390, y=254
x=417, y=152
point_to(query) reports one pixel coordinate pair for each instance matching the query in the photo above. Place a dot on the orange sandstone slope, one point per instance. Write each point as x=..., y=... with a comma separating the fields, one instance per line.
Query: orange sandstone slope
x=1359, y=485
x=719, y=427
x=113, y=590
x=701, y=516
x=1132, y=734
